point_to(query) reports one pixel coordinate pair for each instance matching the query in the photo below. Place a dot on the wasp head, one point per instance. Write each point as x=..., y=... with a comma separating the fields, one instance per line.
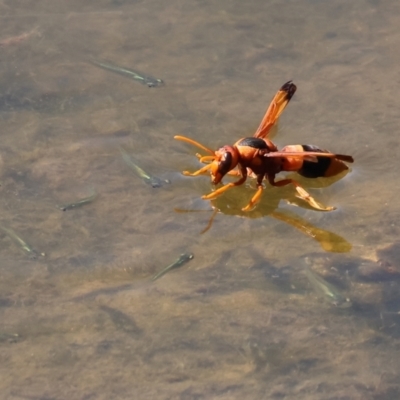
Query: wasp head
x=226, y=158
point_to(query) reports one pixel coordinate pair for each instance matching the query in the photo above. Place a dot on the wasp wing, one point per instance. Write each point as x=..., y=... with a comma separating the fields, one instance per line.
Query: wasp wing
x=275, y=109
x=309, y=155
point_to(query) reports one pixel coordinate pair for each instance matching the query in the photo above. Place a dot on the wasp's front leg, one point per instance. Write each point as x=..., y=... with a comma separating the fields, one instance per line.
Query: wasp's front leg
x=224, y=188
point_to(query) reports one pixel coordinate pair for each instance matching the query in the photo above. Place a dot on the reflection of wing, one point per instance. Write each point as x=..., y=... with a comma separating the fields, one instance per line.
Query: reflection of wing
x=329, y=241
x=309, y=155
x=275, y=109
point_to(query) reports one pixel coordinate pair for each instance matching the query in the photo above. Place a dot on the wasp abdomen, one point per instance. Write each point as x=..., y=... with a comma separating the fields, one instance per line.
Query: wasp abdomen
x=324, y=166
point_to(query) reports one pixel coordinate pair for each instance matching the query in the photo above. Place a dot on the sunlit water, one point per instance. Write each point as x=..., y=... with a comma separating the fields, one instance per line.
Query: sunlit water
x=82, y=319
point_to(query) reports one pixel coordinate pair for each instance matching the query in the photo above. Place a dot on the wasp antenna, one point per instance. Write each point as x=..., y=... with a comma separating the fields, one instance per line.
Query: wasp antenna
x=194, y=143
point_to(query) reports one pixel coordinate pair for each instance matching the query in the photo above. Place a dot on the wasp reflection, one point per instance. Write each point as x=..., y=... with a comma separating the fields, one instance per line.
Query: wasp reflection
x=229, y=205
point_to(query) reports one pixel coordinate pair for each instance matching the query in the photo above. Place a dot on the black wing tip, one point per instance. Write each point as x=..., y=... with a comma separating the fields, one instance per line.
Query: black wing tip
x=290, y=88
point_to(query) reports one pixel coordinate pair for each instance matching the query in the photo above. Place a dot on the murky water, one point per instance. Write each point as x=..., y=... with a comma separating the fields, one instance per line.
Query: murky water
x=80, y=317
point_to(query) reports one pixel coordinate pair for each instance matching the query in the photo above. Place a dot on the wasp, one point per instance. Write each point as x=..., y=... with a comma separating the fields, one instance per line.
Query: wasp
x=258, y=157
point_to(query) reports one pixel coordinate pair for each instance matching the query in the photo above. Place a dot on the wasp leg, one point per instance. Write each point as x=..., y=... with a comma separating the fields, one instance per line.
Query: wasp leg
x=234, y=172
x=256, y=198
x=304, y=195
x=224, y=188
x=199, y=172
x=301, y=193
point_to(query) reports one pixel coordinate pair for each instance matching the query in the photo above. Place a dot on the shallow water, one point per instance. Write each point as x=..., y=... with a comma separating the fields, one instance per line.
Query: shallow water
x=82, y=319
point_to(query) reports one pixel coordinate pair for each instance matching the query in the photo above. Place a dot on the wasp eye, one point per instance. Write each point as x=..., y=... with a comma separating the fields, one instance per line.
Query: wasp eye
x=224, y=165
x=221, y=167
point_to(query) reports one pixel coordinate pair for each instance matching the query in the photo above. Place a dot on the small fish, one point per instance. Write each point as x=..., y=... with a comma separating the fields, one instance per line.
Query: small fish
x=154, y=181
x=137, y=76
x=325, y=288
x=25, y=246
x=122, y=321
x=79, y=203
x=183, y=259
x=9, y=337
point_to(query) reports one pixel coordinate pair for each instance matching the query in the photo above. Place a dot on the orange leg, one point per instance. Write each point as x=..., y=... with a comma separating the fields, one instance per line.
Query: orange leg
x=224, y=188
x=254, y=200
x=301, y=193
x=234, y=172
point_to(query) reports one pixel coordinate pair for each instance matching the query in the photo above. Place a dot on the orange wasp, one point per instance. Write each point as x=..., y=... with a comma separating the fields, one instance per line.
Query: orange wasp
x=258, y=157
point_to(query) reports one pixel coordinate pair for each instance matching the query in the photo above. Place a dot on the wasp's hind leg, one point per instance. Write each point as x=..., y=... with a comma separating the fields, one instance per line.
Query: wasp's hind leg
x=304, y=195
x=301, y=193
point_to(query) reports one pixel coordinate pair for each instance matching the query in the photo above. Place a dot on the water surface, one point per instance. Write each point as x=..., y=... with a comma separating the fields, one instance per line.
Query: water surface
x=240, y=320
